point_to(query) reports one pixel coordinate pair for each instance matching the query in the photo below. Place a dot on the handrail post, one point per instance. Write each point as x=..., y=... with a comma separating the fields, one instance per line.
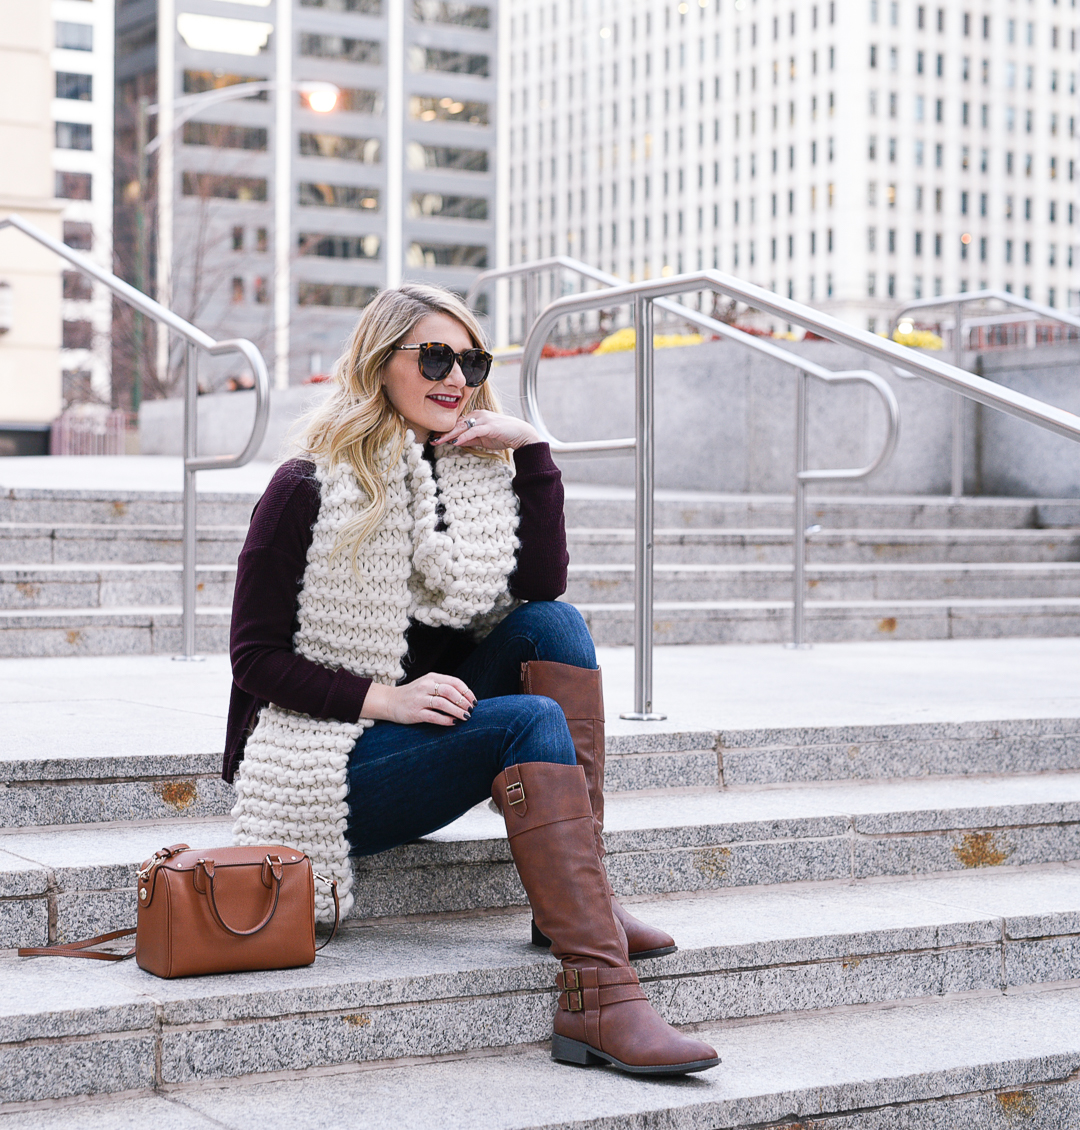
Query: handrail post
x=799, y=540
x=191, y=446
x=644, y=465
x=957, y=484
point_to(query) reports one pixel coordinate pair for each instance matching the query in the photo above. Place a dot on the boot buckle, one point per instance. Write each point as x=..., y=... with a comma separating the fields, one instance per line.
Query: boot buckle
x=575, y=1000
x=515, y=794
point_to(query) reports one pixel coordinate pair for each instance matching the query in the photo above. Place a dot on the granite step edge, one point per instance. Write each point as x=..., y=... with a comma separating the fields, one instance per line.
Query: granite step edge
x=977, y=933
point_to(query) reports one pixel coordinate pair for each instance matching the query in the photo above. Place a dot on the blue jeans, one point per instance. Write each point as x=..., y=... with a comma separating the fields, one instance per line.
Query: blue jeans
x=408, y=781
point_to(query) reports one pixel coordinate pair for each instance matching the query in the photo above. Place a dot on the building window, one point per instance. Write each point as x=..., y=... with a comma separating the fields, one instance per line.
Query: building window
x=262, y=291
x=77, y=335
x=224, y=187
x=195, y=82
x=76, y=286
x=238, y=239
x=339, y=246
x=364, y=7
x=79, y=88
x=446, y=157
x=452, y=62
x=223, y=136
x=366, y=150
x=337, y=195
x=460, y=255
x=334, y=294
x=425, y=109
x=74, y=135
x=447, y=12
x=435, y=204
x=78, y=235
x=74, y=37
x=73, y=186
x=237, y=291
x=937, y=245
x=871, y=284
x=918, y=243
x=342, y=47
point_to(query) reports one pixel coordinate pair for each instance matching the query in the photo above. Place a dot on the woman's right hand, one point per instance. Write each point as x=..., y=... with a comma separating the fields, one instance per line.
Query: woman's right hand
x=439, y=699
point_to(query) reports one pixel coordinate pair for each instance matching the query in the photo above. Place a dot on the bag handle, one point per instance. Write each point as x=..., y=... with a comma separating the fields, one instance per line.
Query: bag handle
x=79, y=949
x=207, y=866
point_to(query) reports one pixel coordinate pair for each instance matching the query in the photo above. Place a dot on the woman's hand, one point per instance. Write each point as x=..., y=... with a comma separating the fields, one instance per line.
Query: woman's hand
x=439, y=699
x=492, y=431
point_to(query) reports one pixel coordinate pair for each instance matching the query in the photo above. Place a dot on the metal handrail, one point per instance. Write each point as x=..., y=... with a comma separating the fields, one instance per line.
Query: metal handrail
x=196, y=339
x=803, y=366
x=958, y=302
x=643, y=294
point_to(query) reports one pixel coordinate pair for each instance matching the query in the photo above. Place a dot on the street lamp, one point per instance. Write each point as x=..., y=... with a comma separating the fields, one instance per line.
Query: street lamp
x=322, y=97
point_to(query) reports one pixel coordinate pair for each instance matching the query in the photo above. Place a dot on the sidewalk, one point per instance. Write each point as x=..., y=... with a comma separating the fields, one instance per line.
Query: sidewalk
x=117, y=706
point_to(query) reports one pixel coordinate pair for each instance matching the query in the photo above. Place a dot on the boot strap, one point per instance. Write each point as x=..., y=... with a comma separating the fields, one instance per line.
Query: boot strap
x=588, y=990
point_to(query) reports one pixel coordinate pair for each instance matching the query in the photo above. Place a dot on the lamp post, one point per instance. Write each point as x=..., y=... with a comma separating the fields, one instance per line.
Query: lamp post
x=321, y=97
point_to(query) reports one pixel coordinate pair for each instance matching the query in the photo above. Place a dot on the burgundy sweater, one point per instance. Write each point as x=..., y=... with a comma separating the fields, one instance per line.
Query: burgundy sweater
x=270, y=573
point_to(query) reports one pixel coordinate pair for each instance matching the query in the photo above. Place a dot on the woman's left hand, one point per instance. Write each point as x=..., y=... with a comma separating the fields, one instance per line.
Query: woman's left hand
x=490, y=431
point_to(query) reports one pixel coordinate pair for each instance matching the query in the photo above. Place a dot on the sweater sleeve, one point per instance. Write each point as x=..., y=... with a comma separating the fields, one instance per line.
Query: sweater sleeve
x=542, y=559
x=269, y=576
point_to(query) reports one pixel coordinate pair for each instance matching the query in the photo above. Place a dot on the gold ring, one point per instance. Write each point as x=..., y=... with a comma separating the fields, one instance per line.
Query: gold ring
x=435, y=692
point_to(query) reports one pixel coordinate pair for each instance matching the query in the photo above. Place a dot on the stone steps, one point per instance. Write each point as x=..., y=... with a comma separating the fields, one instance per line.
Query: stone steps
x=29, y=543
x=156, y=631
x=51, y=588
x=589, y=584
x=746, y=621
x=77, y=787
x=773, y=546
x=77, y=881
x=34, y=544
x=436, y=987
x=109, y=631
x=586, y=506
x=996, y=1062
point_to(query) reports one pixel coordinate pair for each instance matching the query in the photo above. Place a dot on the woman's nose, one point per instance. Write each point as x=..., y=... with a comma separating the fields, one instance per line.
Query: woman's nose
x=455, y=378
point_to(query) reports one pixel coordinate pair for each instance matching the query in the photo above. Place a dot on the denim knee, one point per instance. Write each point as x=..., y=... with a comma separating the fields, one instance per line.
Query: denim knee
x=559, y=633
x=537, y=732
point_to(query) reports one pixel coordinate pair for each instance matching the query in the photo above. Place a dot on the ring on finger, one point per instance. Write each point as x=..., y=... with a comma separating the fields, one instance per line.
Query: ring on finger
x=470, y=423
x=435, y=693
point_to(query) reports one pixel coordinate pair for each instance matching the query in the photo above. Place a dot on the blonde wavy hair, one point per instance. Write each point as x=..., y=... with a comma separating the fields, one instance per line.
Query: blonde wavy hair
x=357, y=423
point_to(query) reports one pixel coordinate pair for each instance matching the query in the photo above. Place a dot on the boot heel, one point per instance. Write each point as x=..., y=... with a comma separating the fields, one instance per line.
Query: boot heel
x=539, y=938
x=566, y=1050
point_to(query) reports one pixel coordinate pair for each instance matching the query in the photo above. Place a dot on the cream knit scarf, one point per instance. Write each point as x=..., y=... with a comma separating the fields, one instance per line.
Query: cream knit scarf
x=292, y=786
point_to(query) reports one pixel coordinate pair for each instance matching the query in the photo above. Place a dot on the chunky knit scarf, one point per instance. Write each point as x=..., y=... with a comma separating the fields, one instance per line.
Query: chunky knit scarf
x=292, y=783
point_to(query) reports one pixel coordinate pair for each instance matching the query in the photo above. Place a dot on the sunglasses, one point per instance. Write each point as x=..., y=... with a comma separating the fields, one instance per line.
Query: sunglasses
x=436, y=362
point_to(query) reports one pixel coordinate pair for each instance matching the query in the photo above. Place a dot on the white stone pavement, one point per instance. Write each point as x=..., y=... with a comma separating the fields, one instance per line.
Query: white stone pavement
x=141, y=704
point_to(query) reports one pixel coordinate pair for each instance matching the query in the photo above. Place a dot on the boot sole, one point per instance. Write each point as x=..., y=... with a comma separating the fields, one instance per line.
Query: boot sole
x=565, y=1050
x=542, y=942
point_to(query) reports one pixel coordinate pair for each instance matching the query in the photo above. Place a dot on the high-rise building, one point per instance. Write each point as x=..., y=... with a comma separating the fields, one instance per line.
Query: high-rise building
x=850, y=154
x=82, y=112
x=29, y=274
x=397, y=181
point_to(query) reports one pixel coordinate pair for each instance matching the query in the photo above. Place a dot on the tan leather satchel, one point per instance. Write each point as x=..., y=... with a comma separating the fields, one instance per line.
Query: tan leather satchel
x=218, y=910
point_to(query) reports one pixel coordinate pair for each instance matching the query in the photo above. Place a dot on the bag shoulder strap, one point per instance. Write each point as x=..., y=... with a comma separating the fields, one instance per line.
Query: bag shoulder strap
x=80, y=949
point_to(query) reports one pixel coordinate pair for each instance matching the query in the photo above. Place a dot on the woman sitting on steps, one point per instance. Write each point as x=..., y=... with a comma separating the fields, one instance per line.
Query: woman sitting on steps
x=398, y=656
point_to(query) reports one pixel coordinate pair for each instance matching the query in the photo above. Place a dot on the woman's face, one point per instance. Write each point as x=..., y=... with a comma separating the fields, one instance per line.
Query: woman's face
x=428, y=407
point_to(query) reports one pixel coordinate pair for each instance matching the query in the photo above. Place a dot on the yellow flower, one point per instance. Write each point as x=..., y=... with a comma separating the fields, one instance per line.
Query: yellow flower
x=625, y=339
x=919, y=339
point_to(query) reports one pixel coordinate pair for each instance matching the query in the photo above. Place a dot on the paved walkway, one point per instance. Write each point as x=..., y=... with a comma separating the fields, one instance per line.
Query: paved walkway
x=119, y=705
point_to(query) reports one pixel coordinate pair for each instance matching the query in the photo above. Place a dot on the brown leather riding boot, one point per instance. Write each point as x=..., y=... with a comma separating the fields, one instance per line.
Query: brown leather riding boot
x=579, y=692
x=603, y=1015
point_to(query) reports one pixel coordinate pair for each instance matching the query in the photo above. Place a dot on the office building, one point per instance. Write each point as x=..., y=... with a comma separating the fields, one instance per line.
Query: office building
x=397, y=181
x=29, y=274
x=850, y=154
x=82, y=112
